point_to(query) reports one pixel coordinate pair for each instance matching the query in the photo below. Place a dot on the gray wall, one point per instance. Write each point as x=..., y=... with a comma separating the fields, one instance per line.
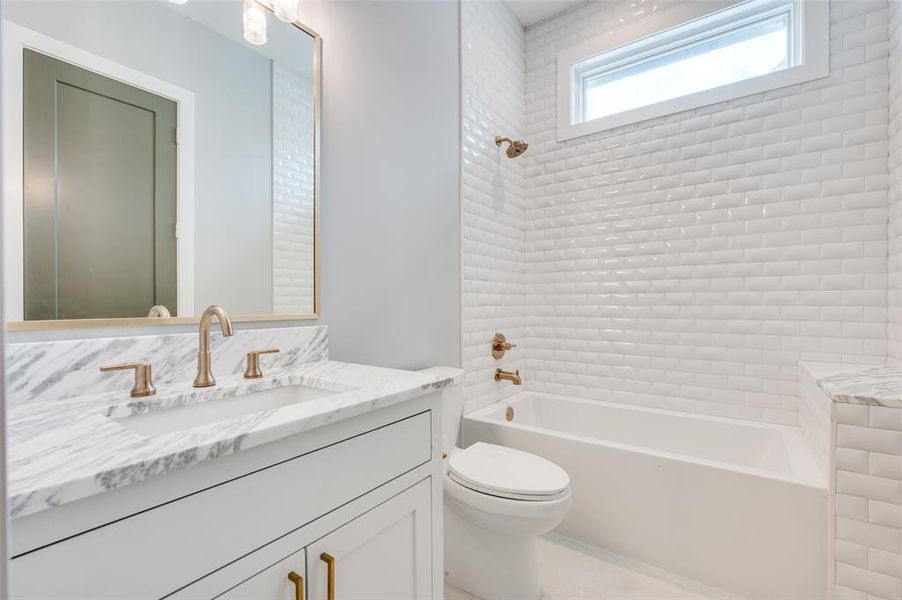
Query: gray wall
x=391, y=152
x=390, y=222
x=233, y=157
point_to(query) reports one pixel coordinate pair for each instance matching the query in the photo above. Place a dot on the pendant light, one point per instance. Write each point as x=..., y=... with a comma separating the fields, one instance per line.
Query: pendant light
x=254, y=23
x=286, y=10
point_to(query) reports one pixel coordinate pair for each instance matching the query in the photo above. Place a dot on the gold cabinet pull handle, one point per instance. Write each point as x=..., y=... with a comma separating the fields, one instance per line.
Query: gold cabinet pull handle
x=143, y=378
x=252, y=370
x=330, y=574
x=298, y=582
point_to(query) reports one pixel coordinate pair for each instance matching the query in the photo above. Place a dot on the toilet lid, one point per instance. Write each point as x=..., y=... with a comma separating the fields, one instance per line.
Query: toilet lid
x=507, y=473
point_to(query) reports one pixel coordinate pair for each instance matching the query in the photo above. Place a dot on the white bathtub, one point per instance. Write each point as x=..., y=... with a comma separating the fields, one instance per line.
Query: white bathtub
x=732, y=504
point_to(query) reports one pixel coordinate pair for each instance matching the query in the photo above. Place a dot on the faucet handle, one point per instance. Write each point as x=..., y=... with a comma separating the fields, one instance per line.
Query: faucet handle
x=143, y=379
x=500, y=345
x=253, y=363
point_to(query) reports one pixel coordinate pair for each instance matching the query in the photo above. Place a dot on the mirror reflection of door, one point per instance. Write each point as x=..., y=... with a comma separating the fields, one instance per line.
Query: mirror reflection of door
x=100, y=195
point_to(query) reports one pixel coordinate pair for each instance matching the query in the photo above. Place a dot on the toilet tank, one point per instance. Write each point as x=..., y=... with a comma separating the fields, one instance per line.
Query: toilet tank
x=452, y=410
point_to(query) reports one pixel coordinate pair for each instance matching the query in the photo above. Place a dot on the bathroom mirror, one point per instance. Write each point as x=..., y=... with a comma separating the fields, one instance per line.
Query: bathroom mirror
x=156, y=162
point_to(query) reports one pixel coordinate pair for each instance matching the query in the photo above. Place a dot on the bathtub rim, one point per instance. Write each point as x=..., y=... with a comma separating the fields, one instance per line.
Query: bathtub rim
x=812, y=479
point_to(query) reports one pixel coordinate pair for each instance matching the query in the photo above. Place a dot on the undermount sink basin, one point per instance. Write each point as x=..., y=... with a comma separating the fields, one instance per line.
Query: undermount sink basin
x=178, y=418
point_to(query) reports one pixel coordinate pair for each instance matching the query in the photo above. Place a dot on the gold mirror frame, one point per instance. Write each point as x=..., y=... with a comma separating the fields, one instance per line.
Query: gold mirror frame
x=260, y=318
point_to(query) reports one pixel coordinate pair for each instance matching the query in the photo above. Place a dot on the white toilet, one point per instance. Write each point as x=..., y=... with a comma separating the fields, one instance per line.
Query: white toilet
x=497, y=500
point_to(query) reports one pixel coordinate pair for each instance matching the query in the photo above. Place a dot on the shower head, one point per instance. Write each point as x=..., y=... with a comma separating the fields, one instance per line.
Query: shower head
x=516, y=147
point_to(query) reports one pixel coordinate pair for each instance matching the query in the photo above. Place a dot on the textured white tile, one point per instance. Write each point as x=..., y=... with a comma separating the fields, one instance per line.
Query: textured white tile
x=868, y=534
x=692, y=261
x=853, y=507
x=894, y=263
x=732, y=240
x=852, y=554
x=492, y=196
x=868, y=486
x=872, y=582
x=868, y=482
x=885, y=418
x=888, y=563
x=293, y=191
x=885, y=465
x=853, y=460
x=872, y=440
x=888, y=514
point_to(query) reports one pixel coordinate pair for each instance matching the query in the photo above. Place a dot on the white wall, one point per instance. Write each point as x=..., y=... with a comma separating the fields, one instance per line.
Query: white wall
x=894, y=265
x=390, y=222
x=691, y=261
x=492, y=196
x=391, y=180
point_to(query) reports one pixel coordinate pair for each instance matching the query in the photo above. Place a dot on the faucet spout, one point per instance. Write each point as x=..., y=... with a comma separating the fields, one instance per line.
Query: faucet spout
x=512, y=376
x=204, y=358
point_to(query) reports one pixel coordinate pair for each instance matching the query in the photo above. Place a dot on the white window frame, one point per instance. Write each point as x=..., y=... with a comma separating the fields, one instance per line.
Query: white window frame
x=810, y=53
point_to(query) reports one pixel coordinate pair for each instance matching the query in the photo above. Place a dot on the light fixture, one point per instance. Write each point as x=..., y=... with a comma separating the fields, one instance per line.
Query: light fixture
x=286, y=10
x=254, y=23
x=178, y=1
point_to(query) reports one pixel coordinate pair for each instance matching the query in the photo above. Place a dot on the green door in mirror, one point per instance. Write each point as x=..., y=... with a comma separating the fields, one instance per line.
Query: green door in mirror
x=100, y=195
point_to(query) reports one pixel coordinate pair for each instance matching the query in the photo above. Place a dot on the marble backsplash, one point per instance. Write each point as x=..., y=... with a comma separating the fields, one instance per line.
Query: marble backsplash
x=54, y=370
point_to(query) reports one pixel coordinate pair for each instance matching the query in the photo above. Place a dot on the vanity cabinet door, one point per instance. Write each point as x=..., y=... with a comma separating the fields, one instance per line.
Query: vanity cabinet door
x=284, y=580
x=386, y=553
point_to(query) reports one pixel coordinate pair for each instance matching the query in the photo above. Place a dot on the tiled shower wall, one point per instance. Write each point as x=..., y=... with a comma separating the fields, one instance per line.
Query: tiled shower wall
x=692, y=261
x=894, y=295
x=492, y=195
x=868, y=480
x=293, y=197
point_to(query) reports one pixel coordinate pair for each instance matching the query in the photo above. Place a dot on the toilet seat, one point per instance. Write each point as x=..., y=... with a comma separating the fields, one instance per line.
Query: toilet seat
x=508, y=473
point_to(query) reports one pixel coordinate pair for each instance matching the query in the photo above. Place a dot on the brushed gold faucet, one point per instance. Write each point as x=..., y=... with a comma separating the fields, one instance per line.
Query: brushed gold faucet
x=252, y=371
x=143, y=379
x=513, y=377
x=204, y=372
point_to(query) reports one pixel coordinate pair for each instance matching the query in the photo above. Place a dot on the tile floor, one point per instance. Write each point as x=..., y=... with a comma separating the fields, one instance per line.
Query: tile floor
x=572, y=571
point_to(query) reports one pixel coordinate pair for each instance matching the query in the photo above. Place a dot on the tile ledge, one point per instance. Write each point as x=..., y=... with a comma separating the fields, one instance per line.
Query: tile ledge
x=873, y=385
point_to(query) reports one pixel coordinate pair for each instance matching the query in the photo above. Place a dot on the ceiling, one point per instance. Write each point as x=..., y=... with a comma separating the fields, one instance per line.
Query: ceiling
x=531, y=12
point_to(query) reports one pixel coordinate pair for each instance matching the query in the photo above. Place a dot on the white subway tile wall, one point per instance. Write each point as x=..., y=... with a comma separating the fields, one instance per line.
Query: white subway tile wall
x=894, y=295
x=690, y=262
x=492, y=45
x=868, y=480
x=293, y=184
x=816, y=420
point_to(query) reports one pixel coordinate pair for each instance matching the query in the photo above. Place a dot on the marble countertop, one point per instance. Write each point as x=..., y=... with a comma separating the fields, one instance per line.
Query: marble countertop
x=70, y=449
x=859, y=384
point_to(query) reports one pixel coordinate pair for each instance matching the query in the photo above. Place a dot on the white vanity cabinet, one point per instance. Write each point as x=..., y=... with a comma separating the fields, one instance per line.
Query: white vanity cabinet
x=384, y=553
x=366, y=491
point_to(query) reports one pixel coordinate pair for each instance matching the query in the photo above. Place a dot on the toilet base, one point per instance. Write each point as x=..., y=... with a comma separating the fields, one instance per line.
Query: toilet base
x=491, y=565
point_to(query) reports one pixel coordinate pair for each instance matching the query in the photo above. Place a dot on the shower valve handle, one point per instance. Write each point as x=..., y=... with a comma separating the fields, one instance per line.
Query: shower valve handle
x=500, y=345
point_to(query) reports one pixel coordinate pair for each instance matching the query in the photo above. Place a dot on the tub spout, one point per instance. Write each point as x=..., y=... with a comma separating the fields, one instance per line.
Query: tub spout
x=513, y=377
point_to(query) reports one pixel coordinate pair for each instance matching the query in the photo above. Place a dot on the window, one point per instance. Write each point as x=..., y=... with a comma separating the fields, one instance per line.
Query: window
x=747, y=48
